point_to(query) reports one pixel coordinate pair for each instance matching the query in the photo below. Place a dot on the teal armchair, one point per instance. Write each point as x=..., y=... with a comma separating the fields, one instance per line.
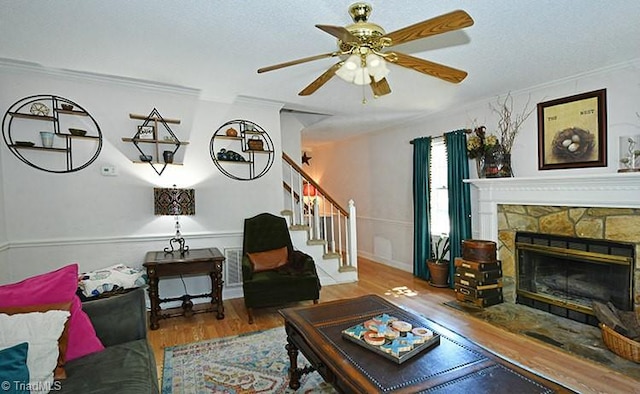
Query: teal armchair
x=296, y=280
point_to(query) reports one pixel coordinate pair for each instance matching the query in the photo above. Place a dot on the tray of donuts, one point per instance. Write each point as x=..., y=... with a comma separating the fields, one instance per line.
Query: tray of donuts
x=394, y=339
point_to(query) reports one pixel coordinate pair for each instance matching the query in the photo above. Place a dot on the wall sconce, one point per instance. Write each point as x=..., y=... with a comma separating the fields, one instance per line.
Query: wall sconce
x=175, y=202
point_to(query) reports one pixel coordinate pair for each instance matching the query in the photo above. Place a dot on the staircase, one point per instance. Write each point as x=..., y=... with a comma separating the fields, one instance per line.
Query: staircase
x=319, y=226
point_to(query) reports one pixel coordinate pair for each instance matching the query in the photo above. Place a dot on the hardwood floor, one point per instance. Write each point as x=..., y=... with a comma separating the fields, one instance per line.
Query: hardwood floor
x=405, y=290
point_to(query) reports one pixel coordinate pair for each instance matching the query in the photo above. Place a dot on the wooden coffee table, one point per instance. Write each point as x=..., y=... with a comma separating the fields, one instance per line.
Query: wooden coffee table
x=454, y=365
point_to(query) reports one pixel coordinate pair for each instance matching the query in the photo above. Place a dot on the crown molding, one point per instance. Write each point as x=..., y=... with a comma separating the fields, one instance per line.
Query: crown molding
x=30, y=67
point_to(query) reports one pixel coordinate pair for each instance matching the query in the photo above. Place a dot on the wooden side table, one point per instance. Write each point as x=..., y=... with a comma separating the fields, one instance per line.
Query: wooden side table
x=196, y=261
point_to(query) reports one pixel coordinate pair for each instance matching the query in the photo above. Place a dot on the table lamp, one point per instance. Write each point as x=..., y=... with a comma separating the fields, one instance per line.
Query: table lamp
x=175, y=202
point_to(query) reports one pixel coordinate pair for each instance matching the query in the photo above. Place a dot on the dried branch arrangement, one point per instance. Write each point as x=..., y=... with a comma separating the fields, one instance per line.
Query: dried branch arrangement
x=509, y=123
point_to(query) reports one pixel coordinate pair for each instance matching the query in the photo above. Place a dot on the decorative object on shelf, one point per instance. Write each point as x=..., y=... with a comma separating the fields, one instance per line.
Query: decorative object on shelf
x=572, y=132
x=32, y=112
x=175, y=202
x=629, y=154
x=47, y=139
x=78, y=132
x=256, y=155
x=39, y=109
x=67, y=107
x=231, y=132
x=229, y=155
x=153, y=134
x=146, y=158
x=146, y=132
x=306, y=158
x=255, y=143
x=168, y=156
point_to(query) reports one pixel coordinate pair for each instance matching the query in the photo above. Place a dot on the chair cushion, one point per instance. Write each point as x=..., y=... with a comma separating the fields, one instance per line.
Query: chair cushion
x=269, y=260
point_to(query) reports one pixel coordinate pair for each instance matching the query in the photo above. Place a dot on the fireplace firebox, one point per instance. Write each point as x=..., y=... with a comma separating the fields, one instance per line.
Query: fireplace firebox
x=564, y=275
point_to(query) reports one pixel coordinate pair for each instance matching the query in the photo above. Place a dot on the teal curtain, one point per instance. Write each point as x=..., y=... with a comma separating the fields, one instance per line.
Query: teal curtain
x=459, y=194
x=421, y=230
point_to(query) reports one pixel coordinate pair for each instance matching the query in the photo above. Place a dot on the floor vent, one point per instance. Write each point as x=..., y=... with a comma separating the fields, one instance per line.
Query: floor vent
x=233, y=266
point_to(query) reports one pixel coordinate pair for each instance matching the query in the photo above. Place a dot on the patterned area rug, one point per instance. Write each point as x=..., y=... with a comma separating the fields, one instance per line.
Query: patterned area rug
x=249, y=363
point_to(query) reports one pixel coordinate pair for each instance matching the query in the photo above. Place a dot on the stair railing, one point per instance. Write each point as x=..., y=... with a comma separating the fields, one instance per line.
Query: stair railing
x=314, y=210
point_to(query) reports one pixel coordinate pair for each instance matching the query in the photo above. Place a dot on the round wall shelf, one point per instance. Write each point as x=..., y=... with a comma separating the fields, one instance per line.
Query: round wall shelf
x=51, y=133
x=242, y=150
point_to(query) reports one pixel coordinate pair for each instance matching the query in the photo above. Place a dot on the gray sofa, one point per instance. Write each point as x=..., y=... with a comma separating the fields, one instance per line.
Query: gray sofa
x=127, y=365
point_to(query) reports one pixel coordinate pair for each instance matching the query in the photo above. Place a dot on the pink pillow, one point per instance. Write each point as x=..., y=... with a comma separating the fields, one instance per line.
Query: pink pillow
x=55, y=287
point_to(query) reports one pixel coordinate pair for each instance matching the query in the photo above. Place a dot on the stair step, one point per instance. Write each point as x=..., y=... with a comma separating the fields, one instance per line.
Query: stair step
x=299, y=227
x=347, y=268
x=316, y=242
x=331, y=255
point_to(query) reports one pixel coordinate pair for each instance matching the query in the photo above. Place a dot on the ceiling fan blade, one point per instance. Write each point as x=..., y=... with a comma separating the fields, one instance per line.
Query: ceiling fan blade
x=321, y=80
x=298, y=61
x=339, y=32
x=447, y=73
x=381, y=87
x=441, y=24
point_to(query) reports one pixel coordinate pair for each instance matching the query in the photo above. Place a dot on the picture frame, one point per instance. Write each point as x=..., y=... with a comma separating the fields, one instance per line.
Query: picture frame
x=572, y=131
x=146, y=132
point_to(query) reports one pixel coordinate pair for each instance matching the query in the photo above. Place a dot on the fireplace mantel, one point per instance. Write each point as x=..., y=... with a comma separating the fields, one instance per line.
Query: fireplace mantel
x=615, y=190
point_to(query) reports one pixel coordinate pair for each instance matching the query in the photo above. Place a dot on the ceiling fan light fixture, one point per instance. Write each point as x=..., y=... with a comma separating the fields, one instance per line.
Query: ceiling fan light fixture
x=377, y=67
x=362, y=77
x=345, y=73
x=352, y=63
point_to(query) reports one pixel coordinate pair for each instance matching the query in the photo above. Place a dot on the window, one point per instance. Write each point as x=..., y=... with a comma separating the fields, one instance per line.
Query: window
x=439, y=197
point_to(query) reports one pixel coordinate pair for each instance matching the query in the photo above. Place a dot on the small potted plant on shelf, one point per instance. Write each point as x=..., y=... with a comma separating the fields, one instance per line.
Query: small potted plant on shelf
x=438, y=263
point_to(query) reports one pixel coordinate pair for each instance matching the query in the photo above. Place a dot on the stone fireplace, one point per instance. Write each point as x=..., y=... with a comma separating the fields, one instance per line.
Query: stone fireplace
x=603, y=208
x=565, y=275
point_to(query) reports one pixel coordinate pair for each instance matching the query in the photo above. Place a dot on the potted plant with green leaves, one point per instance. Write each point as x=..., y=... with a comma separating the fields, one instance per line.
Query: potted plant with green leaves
x=438, y=263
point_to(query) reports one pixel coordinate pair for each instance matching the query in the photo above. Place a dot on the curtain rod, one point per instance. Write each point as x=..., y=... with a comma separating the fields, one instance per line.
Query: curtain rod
x=435, y=137
x=439, y=137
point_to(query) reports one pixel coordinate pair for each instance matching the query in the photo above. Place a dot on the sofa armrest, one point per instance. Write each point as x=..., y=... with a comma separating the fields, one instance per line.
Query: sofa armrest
x=118, y=319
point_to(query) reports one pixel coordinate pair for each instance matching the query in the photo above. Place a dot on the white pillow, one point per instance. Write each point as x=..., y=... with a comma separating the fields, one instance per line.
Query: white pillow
x=42, y=331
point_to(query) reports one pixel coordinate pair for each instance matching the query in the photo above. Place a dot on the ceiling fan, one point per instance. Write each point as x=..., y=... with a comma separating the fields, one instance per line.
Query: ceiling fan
x=361, y=46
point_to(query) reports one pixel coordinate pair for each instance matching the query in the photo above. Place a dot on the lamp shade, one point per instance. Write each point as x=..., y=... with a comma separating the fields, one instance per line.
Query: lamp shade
x=174, y=201
x=308, y=190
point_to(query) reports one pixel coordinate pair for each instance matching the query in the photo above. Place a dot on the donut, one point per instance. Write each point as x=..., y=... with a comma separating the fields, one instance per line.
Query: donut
x=422, y=332
x=401, y=326
x=372, y=338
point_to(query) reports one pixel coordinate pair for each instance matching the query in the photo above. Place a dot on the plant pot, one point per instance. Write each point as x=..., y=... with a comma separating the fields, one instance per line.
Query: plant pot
x=439, y=273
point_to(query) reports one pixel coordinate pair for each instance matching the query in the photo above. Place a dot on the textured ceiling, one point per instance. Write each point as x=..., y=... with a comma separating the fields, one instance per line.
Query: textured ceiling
x=216, y=46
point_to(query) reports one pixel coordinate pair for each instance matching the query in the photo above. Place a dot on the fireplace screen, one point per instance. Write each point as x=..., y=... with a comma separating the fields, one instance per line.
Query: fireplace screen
x=564, y=275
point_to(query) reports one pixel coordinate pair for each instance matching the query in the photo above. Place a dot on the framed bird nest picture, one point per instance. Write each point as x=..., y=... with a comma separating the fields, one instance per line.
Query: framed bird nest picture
x=572, y=132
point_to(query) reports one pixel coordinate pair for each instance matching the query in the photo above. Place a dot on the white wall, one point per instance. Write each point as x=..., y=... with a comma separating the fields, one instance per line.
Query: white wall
x=376, y=170
x=95, y=220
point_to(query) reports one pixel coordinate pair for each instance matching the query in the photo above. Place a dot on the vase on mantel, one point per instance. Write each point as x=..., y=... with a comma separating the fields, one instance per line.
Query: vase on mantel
x=497, y=163
x=480, y=166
